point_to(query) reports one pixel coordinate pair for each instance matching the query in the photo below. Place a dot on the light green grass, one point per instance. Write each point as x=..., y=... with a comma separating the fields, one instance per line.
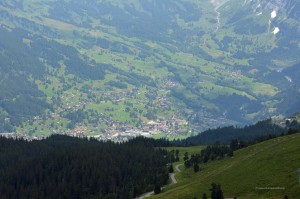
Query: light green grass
x=182, y=150
x=265, y=170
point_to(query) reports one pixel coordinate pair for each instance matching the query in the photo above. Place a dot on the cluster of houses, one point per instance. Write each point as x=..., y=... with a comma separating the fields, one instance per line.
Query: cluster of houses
x=77, y=132
x=286, y=122
x=115, y=130
x=150, y=129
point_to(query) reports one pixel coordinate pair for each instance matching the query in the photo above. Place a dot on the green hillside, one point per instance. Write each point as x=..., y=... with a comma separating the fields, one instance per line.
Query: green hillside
x=264, y=170
x=170, y=68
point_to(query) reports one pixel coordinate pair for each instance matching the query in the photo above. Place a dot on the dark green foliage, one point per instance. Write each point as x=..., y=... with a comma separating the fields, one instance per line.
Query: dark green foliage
x=117, y=84
x=177, y=155
x=294, y=125
x=291, y=131
x=186, y=156
x=65, y=167
x=77, y=116
x=204, y=196
x=171, y=156
x=195, y=158
x=196, y=168
x=215, y=152
x=232, y=104
x=226, y=134
x=192, y=103
x=243, y=27
x=286, y=197
x=19, y=97
x=157, y=189
x=187, y=163
x=236, y=144
x=193, y=161
x=216, y=191
x=212, y=152
x=79, y=67
x=151, y=115
x=171, y=168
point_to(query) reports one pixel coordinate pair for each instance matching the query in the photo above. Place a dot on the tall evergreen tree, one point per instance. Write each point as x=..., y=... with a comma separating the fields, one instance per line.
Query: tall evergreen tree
x=186, y=156
x=65, y=167
x=196, y=168
x=177, y=155
x=286, y=197
x=216, y=191
x=157, y=189
x=171, y=168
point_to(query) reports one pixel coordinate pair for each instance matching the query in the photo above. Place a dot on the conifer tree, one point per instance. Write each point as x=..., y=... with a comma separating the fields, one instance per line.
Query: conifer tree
x=196, y=168
x=157, y=189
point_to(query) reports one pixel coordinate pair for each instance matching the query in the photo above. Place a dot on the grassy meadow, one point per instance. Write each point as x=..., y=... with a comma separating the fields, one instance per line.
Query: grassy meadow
x=264, y=170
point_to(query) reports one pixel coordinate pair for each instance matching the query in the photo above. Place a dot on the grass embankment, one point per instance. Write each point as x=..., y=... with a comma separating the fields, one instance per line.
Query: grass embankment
x=264, y=170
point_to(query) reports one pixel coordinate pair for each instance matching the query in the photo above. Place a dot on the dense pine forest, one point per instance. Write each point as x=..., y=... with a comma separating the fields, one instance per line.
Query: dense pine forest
x=66, y=167
x=225, y=135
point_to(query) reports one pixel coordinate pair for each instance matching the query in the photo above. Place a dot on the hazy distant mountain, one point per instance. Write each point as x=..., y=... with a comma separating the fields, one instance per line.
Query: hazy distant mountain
x=146, y=66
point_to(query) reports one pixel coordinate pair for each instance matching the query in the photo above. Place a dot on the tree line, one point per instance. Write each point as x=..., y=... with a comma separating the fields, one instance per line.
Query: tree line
x=224, y=135
x=66, y=167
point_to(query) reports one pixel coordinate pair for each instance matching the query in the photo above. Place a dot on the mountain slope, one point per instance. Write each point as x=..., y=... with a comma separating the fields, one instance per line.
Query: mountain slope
x=265, y=170
x=171, y=68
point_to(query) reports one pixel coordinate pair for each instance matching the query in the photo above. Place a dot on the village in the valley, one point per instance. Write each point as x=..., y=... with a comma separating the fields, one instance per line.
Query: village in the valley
x=115, y=130
x=169, y=128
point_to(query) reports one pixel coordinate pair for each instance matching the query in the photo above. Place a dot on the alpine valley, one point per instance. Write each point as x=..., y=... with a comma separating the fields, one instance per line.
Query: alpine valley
x=115, y=69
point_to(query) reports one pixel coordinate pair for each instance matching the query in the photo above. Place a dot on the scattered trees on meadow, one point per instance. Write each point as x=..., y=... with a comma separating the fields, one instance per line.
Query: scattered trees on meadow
x=213, y=152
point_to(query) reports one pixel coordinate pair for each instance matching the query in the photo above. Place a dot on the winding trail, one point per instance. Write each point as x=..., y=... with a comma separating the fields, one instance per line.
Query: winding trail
x=146, y=195
x=172, y=176
x=177, y=167
x=173, y=179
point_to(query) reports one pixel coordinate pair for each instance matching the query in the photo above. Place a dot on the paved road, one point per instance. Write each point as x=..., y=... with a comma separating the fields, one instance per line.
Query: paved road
x=146, y=195
x=173, y=179
x=172, y=176
x=177, y=167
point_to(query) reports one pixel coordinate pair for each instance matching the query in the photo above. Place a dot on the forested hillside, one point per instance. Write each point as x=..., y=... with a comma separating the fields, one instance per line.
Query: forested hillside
x=264, y=170
x=65, y=167
x=226, y=134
